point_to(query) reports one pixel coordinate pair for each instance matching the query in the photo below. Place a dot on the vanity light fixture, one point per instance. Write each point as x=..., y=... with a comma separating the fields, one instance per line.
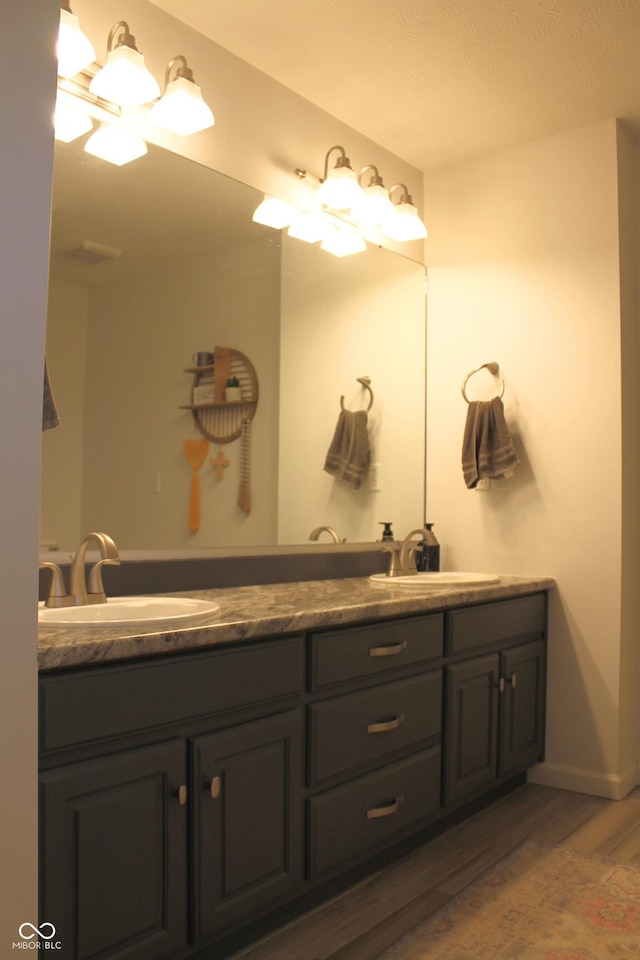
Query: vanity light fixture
x=115, y=145
x=275, y=213
x=124, y=79
x=75, y=50
x=339, y=189
x=375, y=206
x=181, y=108
x=405, y=223
x=69, y=123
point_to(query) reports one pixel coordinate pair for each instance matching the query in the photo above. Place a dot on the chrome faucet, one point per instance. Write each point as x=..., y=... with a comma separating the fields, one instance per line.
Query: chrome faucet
x=315, y=534
x=80, y=595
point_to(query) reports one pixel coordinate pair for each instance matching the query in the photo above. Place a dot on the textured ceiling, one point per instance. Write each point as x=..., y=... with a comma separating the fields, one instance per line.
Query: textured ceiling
x=438, y=81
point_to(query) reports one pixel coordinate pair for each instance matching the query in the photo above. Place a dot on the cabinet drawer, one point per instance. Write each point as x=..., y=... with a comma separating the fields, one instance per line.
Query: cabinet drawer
x=352, y=820
x=495, y=623
x=361, y=652
x=353, y=730
x=112, y=701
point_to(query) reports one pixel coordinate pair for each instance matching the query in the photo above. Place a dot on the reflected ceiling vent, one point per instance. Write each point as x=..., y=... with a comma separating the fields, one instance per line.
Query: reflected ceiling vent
x=90, y=253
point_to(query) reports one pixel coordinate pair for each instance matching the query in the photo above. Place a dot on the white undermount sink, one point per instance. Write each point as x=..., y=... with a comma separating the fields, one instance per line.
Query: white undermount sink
x=157, y=612
x=440, y=578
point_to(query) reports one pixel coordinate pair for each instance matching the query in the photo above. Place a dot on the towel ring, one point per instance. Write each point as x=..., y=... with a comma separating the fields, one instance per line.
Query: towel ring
x=493, y=369
x=365, y=381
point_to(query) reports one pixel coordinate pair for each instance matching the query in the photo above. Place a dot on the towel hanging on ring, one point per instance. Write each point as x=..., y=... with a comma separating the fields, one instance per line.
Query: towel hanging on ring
x=487, y=447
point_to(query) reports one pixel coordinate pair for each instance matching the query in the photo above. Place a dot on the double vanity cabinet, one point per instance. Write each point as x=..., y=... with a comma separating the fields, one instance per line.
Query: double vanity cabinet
x=186, y=795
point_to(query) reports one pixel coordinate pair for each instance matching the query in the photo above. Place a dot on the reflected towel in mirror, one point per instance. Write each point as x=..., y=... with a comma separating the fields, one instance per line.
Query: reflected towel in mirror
x=50, y=417
x=348, y=454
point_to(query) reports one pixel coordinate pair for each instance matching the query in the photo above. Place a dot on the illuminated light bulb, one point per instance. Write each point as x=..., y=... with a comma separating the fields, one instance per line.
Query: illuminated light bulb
x=405, y=224
x=75, y=51
x=341, y=189
x=124, y=79
x=181, y=108
x=375, y=207
x=309, y=227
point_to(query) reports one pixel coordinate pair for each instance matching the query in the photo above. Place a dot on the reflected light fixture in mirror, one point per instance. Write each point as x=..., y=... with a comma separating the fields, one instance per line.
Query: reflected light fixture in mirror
x=309, y=227
x=115, y=145
x=124, y=79
x=339, y=189
x=181, y=107
x=69, y=123
x=75, y=50
x=275, y=213
x=342, y=242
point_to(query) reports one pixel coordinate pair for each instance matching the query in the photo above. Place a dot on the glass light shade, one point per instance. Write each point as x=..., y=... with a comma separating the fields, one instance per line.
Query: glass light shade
x=309, y=227
x=124, y=79
x=375, y=207
x=405, y=224
x=340, y=190
x=342, y=243
x=182, y=108
x=115, y=145
x=75, y=51
x=275, y=213
x=69, y=123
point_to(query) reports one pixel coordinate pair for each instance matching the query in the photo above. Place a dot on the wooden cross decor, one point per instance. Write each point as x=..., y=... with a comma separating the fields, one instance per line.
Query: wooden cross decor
x=220, y=464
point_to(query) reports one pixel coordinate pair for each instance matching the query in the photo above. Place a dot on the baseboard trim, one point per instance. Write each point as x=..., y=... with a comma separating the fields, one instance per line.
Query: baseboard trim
x=609, y=785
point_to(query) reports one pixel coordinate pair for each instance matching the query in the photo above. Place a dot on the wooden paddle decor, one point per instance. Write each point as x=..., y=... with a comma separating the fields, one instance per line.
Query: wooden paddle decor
x=196, y=452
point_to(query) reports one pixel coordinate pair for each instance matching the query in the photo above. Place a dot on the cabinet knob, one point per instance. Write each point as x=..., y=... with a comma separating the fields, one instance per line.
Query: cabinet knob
x=385, y=725
x=387, y=811
x=390, y=650
x=182, y=795
x=215, y=787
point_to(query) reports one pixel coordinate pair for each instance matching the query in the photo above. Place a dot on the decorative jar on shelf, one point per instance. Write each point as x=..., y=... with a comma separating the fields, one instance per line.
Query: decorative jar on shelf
x=233, y=393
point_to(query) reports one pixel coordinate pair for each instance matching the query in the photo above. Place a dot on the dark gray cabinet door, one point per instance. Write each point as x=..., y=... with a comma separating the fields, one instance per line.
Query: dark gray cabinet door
x=113, y=843
x=247, y=836
x=471, y=725
x=523, y=706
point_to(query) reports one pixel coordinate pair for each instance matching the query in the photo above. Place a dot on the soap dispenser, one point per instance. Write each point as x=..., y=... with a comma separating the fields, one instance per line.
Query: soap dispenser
x=387, y=533
x=428, y=553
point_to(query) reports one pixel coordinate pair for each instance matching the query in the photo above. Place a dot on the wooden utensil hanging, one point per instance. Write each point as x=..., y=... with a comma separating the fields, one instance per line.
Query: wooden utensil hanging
x=196, y=452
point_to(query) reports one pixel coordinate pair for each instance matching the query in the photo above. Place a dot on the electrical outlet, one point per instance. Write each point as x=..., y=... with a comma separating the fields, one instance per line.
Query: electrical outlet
x=375, y=477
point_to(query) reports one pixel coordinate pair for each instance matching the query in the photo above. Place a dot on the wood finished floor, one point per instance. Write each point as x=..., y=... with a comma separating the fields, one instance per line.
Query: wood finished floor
x=366, y=919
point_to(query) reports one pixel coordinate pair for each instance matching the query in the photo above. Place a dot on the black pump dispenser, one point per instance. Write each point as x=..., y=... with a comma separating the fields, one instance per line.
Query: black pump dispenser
x=428, y=553
x=387, y=533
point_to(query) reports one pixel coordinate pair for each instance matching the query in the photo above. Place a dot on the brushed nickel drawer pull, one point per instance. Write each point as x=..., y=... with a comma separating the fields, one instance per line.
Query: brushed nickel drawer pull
x=513, y=681
x=216, y=785
x=389, y=651
x=385, y=725
x=500, y=684
x=376, y=812
x=182, y=795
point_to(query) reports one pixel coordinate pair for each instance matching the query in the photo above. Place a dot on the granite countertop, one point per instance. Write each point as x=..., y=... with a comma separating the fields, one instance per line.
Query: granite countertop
x=253, y=612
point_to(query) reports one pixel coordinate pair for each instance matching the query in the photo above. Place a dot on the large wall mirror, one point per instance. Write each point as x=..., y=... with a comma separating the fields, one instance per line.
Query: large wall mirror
x=158, y=260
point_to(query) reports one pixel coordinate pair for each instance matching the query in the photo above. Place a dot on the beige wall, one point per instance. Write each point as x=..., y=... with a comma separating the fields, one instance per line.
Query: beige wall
x=524, y=269
x=26, y=51
x=343, y=319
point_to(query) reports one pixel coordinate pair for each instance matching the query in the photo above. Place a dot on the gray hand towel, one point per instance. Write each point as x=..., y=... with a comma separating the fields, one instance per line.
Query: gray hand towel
x=487, y=447
x=348, y=454
x=50, y=416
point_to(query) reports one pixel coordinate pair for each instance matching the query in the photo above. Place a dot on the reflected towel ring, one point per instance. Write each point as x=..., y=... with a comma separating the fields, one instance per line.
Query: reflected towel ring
x=493, y=369
x=365, y=381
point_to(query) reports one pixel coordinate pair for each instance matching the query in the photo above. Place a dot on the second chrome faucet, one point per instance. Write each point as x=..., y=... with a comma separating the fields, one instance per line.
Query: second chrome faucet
x=79, y=592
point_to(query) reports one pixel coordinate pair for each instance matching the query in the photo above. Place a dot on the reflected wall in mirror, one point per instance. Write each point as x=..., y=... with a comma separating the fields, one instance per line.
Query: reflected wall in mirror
x=193, y=271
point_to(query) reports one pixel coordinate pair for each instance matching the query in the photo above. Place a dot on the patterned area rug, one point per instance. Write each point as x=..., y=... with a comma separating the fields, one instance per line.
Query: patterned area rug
x=539, y=903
